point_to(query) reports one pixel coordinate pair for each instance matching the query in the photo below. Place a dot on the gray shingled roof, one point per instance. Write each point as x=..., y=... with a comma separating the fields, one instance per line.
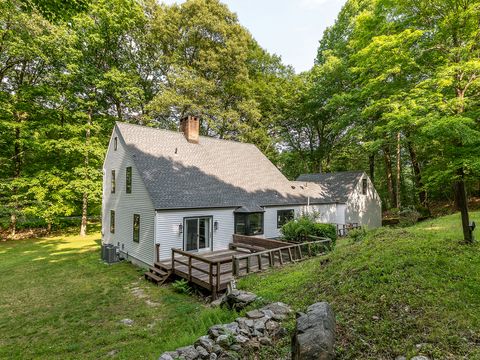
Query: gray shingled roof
x=338, y=185
x=213, y=173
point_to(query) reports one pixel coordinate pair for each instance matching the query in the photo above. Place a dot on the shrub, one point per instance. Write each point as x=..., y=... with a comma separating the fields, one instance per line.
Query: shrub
x=181, y=286
x=299, y=229
x=357, y=235
x=409, y=216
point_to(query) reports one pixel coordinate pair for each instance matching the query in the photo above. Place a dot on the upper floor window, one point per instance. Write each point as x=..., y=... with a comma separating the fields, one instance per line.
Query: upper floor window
x=136, y=228
x=115, y=143
x=284, y=216
x=129, y=180
x=113, y=182
x=364, y=186
x=112, y=221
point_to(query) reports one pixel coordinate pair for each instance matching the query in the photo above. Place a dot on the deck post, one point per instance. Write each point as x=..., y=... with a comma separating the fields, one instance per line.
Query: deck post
x=248, y=265
x=259, y=262
x=300, y=251
x=157, y=252
x=290, y=254
x=281, y=256
x=210, y=276
x=271, y=259
x=218, y=277
x=235, y=266
x=173, y=261
x=190, y=268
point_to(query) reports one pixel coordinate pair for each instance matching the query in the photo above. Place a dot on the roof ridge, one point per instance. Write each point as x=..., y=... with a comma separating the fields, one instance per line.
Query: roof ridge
x=180, y=133
x=336, y=172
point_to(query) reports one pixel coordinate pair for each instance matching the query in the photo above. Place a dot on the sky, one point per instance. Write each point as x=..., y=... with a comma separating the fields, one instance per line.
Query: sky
x=288, y=28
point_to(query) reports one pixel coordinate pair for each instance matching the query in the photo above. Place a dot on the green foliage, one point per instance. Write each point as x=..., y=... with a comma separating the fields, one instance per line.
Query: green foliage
x=71, y=69
x=300, y=228
x=409, y=216
x=181, y=286
x=395, y=289
x=385, y=69
x=358, y=234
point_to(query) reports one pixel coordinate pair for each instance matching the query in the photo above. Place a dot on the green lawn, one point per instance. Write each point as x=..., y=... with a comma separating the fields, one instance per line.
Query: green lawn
x=396, y=289
x=59, y=301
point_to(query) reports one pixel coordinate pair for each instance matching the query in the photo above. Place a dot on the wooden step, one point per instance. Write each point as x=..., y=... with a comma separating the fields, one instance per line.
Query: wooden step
x=166, y=266
x=153, y=277
x=159, y=272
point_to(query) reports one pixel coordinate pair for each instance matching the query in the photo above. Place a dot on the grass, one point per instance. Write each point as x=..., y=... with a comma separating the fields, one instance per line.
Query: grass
x=59, y=301
x=396, y=289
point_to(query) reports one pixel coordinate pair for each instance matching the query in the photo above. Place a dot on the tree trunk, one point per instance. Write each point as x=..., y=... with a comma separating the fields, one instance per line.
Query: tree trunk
x=118, y=105
x=16, y=175
x=422, y=194
x=13, y=224
x=461, y=201
x=459, y=185
x=83, y=226
x=371, y=162
x=389, y=172
x=399, y=170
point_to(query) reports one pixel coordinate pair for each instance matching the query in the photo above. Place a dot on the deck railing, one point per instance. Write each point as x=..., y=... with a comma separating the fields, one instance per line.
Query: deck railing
x=257, y=261
x=342, y=229
x=213, y=269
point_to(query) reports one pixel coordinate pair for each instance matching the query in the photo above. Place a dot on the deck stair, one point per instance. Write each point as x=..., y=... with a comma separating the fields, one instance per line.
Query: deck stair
x=158, y=274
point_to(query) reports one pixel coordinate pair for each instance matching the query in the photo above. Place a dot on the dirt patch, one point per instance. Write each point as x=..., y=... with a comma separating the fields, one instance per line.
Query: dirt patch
x=139, y=293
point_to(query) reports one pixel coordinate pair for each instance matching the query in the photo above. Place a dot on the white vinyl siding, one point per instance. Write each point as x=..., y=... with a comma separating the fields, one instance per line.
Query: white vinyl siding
x=270, y=219
x=364, y=209
x=327, y=213
x=341, y=209
x=125, y=205
x=168, y=235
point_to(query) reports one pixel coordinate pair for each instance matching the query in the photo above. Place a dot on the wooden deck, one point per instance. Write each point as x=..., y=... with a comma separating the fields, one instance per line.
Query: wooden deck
x=214, y=270
x=211, y=270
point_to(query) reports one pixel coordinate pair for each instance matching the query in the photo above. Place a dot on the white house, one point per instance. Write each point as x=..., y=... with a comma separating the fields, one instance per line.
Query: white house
x=165, y=189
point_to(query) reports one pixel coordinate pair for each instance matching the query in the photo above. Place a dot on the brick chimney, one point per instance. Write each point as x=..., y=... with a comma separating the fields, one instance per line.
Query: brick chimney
x=190, y=126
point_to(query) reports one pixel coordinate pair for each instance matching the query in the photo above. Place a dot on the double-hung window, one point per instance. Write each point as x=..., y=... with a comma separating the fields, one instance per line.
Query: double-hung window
x=112, y=221
x=284, y=216
x=364, y=186
x=113, y=182
x=136, y=228
x=128, y=188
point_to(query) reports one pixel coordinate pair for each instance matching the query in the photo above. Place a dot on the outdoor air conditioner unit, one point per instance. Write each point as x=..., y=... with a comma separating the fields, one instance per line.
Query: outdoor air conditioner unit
x=109, y=253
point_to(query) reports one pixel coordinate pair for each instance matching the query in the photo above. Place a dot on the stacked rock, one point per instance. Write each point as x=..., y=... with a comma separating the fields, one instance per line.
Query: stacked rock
x=226, y=341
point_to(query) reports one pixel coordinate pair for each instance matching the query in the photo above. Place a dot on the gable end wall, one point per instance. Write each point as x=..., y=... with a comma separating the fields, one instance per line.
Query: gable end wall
x=364, y=209
x=125, y=205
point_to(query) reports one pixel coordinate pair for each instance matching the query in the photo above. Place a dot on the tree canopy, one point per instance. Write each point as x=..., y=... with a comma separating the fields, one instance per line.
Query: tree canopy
x=394, y=91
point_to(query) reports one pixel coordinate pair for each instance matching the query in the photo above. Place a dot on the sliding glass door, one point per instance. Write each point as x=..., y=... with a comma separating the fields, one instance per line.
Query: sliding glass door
x=198, y=233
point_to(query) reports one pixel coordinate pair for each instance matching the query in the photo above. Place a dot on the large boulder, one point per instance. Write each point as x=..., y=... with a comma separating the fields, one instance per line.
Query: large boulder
x=314, y=336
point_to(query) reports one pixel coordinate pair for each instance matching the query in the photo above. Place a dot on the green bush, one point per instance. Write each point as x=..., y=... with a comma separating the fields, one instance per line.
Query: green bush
x=409, y=216
x=299, y=229
x=181, y=286
x=357, y=235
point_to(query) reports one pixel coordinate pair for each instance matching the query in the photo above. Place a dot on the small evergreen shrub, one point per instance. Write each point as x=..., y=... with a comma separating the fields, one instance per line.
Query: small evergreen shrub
x=299, y=229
